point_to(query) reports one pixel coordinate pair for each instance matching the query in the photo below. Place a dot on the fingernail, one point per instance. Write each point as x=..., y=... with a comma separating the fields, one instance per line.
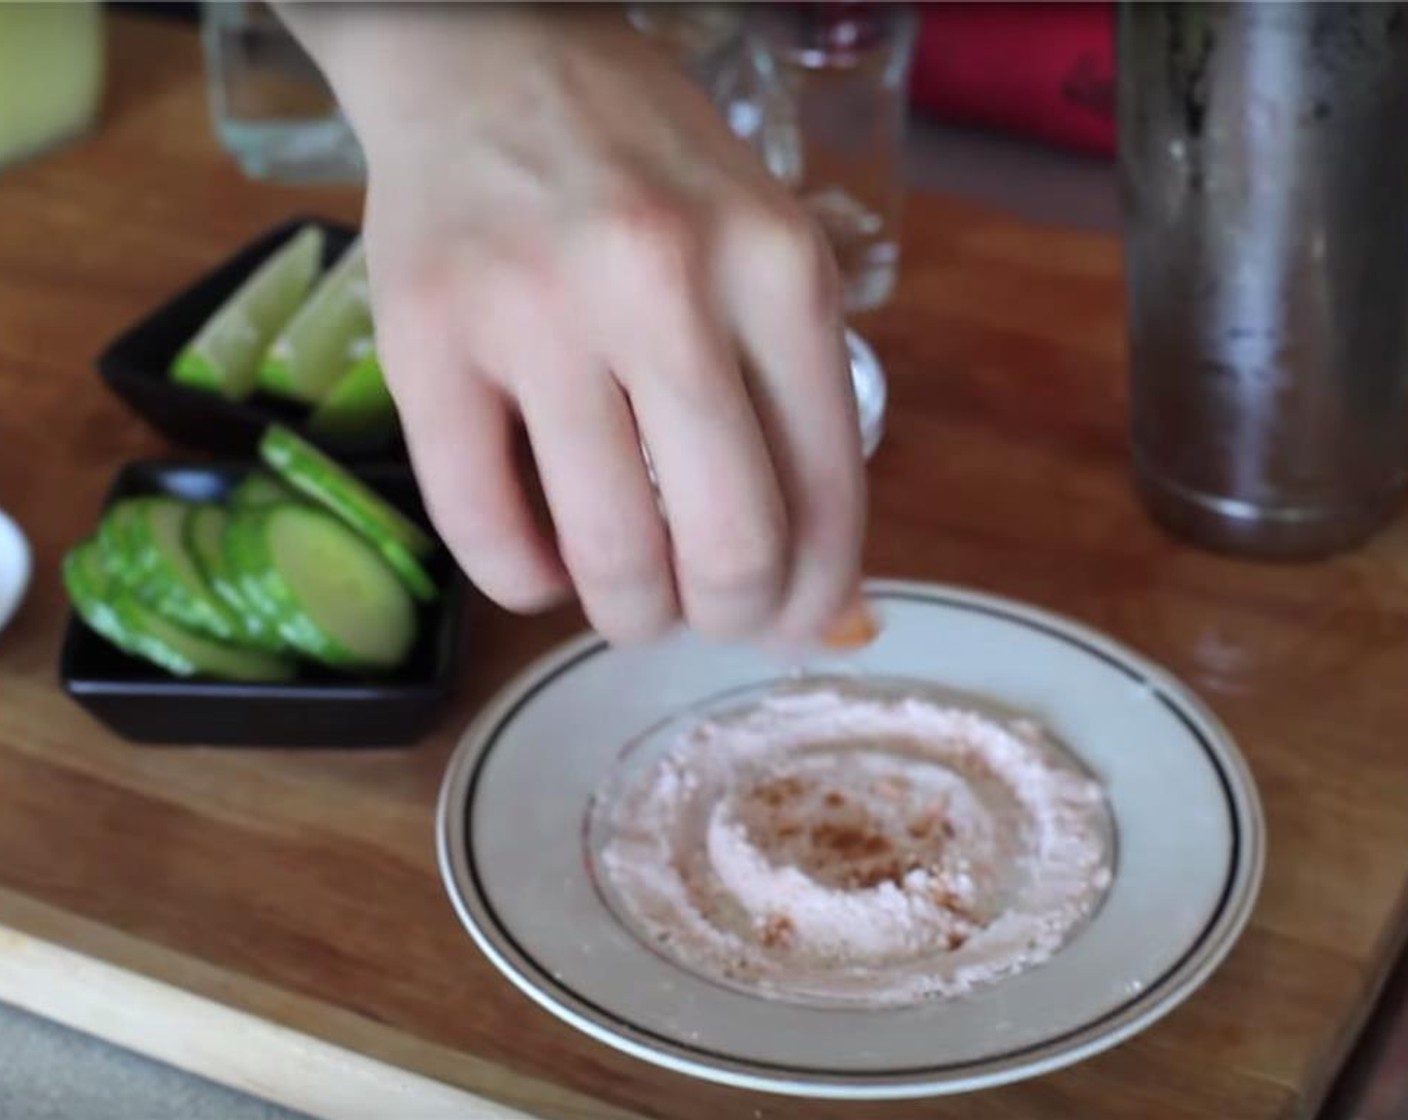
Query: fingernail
x=854, y=628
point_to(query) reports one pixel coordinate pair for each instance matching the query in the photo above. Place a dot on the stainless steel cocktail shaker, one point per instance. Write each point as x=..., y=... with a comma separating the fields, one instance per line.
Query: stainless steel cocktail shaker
x=1264, y=163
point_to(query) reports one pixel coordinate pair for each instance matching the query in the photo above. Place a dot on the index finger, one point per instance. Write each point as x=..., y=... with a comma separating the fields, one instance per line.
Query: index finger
x=781, y=290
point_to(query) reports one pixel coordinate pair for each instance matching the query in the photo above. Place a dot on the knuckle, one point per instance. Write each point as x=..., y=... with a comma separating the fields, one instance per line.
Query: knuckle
x=416, y=299
x=475, y=535
x=654, y=236
x=615, y=561
x=510, y=293
x=743, y=566
x=800, y=257
x=476, y=522
x=813, y=267
x=502, y=568
x=625, y=586
x=510, y=317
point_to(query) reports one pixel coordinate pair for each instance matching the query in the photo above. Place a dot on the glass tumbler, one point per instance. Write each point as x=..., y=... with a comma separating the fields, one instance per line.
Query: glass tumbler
x=740, y=61
x=272, y=109
x=835, y=129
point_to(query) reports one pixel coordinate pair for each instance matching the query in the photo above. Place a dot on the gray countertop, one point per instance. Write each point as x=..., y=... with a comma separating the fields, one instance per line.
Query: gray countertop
x=50, y=1073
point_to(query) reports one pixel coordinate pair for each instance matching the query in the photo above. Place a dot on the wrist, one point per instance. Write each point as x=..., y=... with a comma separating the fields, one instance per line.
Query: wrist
x=393, y=66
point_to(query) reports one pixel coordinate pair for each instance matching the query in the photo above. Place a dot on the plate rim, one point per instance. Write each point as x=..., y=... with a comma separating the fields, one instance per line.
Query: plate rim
x=1186, y=976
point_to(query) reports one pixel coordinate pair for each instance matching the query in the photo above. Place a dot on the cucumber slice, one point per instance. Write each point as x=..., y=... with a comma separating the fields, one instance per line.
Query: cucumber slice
x=310, y=472
x=401, y=543
x=331, y=595
x=116, y=547
x=261, y=489
x=224, y=356
x=358, y=410
x=411, y=571
x=117, y=615
x=247, y=561
x=166, y=577
x=205, y=538
x=89, y=589
x=188, y=654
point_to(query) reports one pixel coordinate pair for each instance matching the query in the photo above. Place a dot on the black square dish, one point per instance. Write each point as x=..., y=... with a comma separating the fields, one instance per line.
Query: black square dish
x=136, y=366
x=319, y=708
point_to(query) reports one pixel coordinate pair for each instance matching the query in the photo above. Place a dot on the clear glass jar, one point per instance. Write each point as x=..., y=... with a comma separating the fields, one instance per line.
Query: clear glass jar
x=270, y=105
x=835, y=131
x=828, y=121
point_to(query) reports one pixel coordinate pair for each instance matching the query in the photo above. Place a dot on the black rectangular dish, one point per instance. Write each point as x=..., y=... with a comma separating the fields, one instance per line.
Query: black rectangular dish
x=136, y=365
x=319, y=708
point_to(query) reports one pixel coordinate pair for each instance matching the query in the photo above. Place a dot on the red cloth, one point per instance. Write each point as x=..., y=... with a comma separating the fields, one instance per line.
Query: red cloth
x=1041, y=70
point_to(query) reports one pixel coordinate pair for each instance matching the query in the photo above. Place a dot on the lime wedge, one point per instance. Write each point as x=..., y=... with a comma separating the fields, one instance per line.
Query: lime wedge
x=316, y=346
x=358, y=410
x=224, y=356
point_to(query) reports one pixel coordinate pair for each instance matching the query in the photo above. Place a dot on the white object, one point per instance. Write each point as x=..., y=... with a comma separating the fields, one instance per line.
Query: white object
x=872, y=391
x=16, y=566
x=1190, y=846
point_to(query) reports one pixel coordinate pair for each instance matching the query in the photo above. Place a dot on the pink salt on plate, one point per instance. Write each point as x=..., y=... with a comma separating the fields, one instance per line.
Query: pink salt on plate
x=829, y=845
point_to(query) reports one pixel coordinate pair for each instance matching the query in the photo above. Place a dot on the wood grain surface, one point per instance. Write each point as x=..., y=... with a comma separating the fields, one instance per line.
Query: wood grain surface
x=301, y=888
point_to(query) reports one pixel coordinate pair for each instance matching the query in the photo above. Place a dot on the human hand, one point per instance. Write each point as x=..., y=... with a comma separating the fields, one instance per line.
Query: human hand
x=561, y=232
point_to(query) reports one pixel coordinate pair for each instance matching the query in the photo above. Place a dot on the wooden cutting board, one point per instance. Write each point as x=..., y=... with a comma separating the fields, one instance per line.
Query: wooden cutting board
x=275, y=920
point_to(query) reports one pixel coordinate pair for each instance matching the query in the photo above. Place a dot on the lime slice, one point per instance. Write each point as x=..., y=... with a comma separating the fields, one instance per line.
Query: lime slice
x=358, y=410
x=329, y=331
x=224, y=356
